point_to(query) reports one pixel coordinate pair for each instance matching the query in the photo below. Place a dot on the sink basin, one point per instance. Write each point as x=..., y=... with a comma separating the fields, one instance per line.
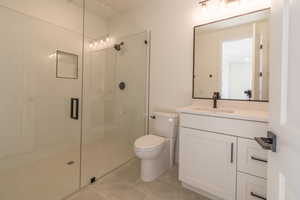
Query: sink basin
x=214, y=110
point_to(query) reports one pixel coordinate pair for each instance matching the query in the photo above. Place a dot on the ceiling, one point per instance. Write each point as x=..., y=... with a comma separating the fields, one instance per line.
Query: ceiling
x=110, y=8
x=122, y=5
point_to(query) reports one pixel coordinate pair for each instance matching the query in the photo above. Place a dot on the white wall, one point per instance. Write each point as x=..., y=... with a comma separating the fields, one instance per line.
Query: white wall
x=171, y=24
x=171, y=49
x=62, y=13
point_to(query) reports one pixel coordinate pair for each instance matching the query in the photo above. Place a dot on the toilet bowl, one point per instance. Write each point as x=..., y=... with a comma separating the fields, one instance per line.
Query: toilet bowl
x=156, y=151
x=153, y=152
x=149, y=147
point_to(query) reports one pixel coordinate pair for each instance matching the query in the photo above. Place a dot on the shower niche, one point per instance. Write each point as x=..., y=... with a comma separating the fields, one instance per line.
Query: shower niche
x=66, y=65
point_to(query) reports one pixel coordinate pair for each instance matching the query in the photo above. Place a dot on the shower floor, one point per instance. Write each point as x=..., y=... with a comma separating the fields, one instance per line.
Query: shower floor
x=125, y=184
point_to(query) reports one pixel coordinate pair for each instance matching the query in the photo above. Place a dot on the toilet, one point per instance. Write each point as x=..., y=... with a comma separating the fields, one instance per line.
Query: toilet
x=157, y=150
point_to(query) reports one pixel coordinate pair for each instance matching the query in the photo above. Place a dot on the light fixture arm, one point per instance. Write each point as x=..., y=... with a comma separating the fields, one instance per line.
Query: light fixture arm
x=203, y=2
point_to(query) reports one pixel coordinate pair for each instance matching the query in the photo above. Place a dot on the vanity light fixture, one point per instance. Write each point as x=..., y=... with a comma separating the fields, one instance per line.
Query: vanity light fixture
x=204, y=3
x=230, y=1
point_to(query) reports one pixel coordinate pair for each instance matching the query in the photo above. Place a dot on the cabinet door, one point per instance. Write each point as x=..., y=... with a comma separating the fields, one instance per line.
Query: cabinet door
x=208, y=162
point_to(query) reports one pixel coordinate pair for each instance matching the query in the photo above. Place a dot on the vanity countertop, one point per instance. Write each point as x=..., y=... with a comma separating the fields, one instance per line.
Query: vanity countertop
x=227, y=112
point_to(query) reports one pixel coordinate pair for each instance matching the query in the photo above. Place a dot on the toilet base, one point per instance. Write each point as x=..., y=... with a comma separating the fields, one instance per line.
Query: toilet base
x=153, y=168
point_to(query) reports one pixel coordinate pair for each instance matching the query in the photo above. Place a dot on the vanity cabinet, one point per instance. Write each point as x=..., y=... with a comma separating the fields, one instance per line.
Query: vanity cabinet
x=208, y=161
x=219, y=158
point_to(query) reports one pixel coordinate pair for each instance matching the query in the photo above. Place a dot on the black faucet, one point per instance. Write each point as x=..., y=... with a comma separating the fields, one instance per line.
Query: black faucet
x=215, y=97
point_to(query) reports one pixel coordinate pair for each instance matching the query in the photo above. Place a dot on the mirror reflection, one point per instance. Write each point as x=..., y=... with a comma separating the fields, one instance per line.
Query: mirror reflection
x=231, y=58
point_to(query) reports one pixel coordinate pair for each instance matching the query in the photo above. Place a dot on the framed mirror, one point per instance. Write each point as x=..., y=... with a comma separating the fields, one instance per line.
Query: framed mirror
x=231, y=58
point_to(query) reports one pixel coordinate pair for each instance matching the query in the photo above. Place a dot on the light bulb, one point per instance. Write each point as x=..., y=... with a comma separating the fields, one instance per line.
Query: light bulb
x=204, y=10
x=96, y=43
x=52, y=55
x=222, y=4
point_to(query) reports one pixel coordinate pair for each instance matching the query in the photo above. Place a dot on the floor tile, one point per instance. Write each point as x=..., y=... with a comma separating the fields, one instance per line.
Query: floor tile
x=87, y=194
x=125, y=184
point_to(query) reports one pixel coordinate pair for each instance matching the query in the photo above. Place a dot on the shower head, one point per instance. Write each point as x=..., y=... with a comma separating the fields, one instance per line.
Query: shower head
x=118, y=46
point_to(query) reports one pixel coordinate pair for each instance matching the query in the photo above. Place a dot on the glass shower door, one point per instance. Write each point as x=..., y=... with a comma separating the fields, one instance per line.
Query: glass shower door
x=115, y=104
x=40, y=72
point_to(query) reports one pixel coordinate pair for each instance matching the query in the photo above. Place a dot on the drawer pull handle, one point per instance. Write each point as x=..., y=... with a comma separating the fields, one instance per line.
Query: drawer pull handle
x=259, y=159
x=257, y=196
x=231, y=155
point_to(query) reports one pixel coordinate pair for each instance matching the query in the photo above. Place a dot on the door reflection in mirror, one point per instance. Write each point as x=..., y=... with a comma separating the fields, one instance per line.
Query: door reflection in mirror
x=237, y=68
x=231, y=57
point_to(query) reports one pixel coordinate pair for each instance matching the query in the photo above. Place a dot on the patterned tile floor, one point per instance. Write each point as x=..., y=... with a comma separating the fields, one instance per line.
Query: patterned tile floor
x=125, y=184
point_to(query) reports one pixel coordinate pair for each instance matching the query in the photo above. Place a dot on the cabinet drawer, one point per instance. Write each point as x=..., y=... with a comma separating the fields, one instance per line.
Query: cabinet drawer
x=252, y=158
x=241, y=128
x=251, y=187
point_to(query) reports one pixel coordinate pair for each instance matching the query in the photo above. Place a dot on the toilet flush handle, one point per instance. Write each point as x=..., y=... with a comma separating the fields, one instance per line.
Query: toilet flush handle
x=153, y=117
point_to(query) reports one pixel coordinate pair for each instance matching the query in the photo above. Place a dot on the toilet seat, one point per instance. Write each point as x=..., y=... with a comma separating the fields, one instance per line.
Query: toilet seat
x=149, y=142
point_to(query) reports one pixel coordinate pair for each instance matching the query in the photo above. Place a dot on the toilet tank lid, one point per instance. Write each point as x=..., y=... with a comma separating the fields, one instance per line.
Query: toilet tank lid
x=165, y=114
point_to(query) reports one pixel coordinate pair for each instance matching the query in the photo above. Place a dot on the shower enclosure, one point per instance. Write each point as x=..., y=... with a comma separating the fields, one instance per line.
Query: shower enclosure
x=70, y=111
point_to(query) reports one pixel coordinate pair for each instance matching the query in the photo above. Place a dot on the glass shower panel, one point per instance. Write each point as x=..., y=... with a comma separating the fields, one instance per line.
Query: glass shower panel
x=115, y=104
x=39, y=141
x=131, y=102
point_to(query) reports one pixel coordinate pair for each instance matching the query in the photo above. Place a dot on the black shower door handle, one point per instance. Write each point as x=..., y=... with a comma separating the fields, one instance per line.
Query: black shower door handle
x=75, y=108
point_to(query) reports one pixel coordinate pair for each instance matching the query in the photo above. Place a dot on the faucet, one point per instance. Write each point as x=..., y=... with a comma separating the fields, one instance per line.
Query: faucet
x=215, y=97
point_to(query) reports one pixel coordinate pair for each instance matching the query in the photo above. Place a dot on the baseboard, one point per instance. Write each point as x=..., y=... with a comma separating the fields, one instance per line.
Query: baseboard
x=199, y=191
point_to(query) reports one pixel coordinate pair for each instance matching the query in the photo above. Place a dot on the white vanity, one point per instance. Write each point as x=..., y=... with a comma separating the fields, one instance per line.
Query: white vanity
x=218, y=156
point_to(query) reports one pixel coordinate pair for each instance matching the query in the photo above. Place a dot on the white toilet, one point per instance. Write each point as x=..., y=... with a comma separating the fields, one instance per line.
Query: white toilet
x=157, y=150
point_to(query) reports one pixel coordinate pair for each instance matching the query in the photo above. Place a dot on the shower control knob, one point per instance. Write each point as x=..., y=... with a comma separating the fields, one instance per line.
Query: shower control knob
x=122, y=85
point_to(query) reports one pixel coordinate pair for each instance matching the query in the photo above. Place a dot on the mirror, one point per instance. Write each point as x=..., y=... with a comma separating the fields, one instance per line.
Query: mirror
x=231, y=57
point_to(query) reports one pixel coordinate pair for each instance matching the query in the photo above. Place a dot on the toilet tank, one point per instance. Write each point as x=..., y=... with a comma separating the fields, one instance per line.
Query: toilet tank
x=165, y=124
